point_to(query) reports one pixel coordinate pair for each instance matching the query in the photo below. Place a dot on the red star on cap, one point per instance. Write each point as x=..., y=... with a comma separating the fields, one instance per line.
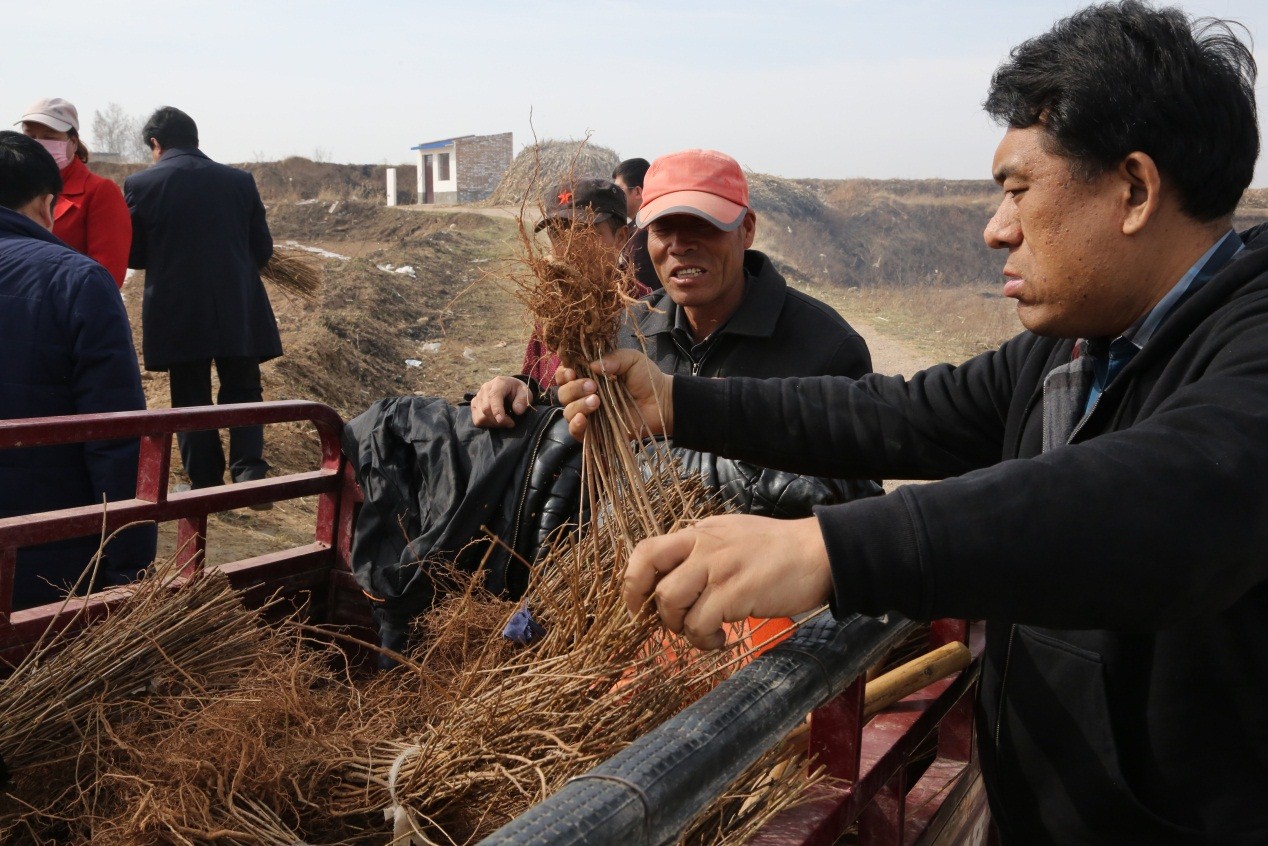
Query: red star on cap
x=565, y=197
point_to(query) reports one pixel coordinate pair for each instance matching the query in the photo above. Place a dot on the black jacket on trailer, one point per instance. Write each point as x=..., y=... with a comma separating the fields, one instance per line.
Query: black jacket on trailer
x=434, y=483
x=1124, y=574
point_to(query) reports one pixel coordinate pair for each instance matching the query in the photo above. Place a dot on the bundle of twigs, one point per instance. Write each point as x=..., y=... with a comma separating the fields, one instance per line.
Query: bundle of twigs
x=159, y=640
x=294, y=272
x=248, y=765
x=577, y=295
x=512, y=726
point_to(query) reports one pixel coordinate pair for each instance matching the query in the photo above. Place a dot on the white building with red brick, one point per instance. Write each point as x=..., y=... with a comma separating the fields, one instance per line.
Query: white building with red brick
x=463, y=169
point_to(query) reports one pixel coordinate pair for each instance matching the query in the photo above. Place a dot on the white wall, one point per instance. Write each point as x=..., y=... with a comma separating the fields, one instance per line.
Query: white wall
x=451, y=184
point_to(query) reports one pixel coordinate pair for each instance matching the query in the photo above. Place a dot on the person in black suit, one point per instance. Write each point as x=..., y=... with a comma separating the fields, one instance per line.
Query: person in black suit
x=629, y=176
x=199, y=232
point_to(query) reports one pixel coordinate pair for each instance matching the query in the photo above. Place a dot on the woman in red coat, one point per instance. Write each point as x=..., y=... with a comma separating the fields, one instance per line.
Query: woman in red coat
x=90, y=215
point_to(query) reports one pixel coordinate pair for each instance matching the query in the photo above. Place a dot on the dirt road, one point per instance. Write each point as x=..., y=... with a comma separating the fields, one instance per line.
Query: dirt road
x=890, y=355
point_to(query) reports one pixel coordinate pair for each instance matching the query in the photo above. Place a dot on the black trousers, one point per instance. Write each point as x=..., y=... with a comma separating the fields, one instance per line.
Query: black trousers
x=201, y=452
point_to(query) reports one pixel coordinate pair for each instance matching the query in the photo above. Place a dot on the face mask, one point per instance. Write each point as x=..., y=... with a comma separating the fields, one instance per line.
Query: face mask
x=59, y=150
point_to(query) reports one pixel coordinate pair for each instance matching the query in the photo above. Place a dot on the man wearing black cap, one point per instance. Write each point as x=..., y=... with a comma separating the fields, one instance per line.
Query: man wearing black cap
x=591, y=205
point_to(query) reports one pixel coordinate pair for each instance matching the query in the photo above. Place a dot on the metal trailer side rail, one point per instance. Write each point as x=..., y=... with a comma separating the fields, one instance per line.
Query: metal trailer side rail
x=647, y=793
x=322, y=565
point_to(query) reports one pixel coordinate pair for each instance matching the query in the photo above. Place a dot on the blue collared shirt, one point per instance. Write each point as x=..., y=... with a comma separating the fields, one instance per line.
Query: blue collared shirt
x=1108, y=361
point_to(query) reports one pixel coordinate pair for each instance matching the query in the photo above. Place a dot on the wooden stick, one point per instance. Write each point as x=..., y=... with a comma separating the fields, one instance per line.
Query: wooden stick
x=914, y=675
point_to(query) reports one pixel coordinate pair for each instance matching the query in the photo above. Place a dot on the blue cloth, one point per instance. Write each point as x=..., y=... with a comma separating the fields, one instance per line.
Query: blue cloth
x=1108, y=361
x=522, y=628
x=68, y=350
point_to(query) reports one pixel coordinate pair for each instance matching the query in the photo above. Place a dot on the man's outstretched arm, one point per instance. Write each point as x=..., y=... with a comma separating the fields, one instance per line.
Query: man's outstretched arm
x=726, y=569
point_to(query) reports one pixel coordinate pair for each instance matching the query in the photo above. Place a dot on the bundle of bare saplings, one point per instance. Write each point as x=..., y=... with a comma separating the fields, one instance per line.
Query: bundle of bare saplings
x=294, y=272
x=182, y=717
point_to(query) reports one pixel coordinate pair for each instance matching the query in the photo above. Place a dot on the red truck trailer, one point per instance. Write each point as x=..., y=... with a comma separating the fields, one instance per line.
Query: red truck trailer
x=905, y=775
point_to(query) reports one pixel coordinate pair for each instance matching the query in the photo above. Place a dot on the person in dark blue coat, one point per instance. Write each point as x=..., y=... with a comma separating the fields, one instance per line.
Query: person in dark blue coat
x=200, y=234
x=68, y=350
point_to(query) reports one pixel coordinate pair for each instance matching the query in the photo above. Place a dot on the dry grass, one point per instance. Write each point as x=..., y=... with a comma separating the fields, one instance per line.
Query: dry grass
x=949, y=322
x=294, y=271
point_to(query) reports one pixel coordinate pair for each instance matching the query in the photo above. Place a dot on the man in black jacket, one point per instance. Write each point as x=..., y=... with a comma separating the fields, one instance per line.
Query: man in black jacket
x=629, y=175
x=1121, y=563
x=199, y=232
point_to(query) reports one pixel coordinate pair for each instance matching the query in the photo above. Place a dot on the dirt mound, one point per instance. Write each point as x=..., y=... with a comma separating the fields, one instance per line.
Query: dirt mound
x=369, y=223
x=843, y=191
x=776, y=195
x=541, y=166
x=298, y=178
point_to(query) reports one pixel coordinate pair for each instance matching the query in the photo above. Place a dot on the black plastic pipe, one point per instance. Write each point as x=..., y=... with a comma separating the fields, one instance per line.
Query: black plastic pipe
x=648, y=793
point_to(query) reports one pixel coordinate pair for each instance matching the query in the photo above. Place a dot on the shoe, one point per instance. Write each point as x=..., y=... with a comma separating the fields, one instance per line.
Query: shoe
x=254, y=475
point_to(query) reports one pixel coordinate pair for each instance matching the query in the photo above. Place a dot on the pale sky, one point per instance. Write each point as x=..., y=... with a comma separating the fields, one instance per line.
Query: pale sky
x=800, y=88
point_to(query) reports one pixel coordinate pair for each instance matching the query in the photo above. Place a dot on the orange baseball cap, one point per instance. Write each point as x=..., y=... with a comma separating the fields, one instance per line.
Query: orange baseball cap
x=704, y=183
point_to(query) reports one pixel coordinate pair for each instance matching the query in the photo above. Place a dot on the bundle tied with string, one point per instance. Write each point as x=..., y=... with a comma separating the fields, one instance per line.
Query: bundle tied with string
x=60, y=701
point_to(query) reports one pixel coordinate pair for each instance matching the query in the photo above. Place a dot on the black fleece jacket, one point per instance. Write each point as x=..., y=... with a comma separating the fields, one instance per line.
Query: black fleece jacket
x=776, y=331
x=1124, y=576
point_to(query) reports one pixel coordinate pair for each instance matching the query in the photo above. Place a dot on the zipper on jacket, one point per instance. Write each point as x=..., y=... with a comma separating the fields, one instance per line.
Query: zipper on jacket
x=528, y=477
x=1043, y=412
x=1012, y=631
x=1087, y=416
x=1003, y=679
x=695, y=365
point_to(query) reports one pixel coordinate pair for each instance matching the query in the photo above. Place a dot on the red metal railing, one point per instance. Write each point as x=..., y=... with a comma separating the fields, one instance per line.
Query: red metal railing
x=891, y=802
x=320, y=564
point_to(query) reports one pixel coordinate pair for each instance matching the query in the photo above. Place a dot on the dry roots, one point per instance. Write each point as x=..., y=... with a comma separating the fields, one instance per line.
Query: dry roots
x=183, y=718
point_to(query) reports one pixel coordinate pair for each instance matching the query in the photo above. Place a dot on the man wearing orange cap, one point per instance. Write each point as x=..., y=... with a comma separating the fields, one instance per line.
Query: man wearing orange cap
x=723, y=309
